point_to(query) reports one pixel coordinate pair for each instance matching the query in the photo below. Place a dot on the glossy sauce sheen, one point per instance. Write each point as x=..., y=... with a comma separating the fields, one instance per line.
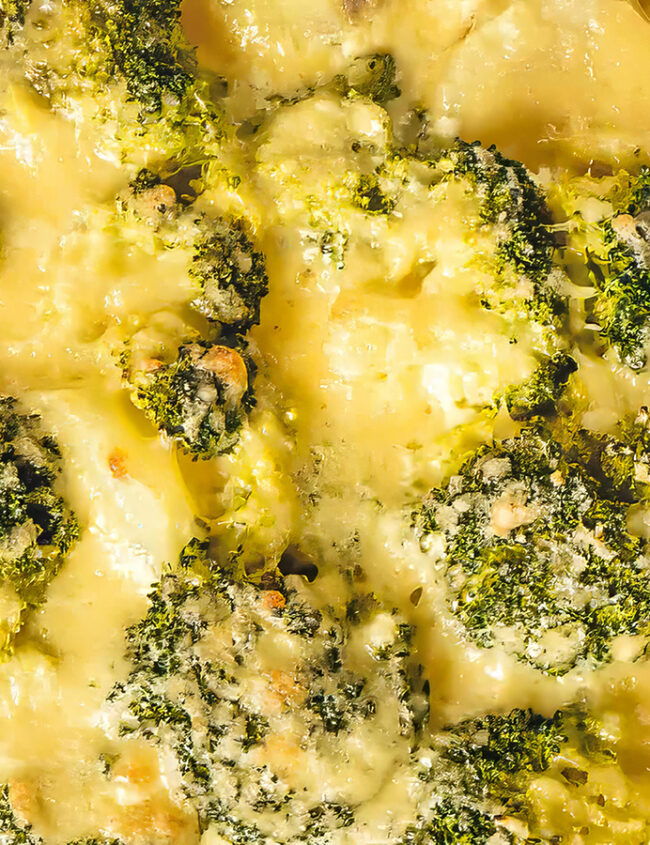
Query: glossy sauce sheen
x=366, y=375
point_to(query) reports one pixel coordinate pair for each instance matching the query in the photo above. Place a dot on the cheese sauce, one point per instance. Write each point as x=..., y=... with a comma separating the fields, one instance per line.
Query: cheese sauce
x=373, y=374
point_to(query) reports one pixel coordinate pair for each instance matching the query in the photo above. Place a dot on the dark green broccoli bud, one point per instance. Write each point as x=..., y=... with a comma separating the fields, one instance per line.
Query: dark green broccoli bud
x=94, y=840
x=144, y=180
x=303, y=619
x=514, y=206
x=326, y=817
x=238, y=831
x=12, y=18
x=620, y=271
x=374, y=77
x=333, y=245
x=537, y=552
x=256, y=729
x=484, y=769
x=369, y=196
x=236, y=694
x=336, y=707
x=498, y=754
x=587, y=733
x=226, y=270
x=231, y=274
x=124, y=72
x=37, y=530
x=539, y=395
x=199, y=399
x=450, y=823
x=146, y=47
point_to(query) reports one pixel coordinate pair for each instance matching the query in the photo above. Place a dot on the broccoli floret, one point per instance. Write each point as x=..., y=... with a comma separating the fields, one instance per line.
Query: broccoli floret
x=508, y=196
x=37, y=529
x=326, y=817
x=197, y=388
x=238, y=831
x=514, y=206
x=139, y=43
x=497, y=754
x=619, y=264
x=200, y=656
x=94, y=840
x=369, y=196
x=537, y=555
x=227, y=271
x=209, y=684
x=256, y=729
x=450, y=823
x=539, y=395
x=199, y=399
x=495, y=760
x=146, y=47
x=125, y=74
x=12, y=18
x=373, y=77
x=509, y=239
x=231, y=274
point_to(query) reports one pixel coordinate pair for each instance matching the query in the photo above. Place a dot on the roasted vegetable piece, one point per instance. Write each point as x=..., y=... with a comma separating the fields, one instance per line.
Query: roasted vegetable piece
x=238, y=682
x=12, y=18
x=615, y=249
x=513, y=206
x=621, y=273
x=199, y=398
x=146, y=46
x=536, y=549
x=231, y=274
x=37, y=529
x=538, y=396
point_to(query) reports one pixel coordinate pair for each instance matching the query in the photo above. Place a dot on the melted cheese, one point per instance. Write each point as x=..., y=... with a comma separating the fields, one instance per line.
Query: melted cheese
x=371, y=382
